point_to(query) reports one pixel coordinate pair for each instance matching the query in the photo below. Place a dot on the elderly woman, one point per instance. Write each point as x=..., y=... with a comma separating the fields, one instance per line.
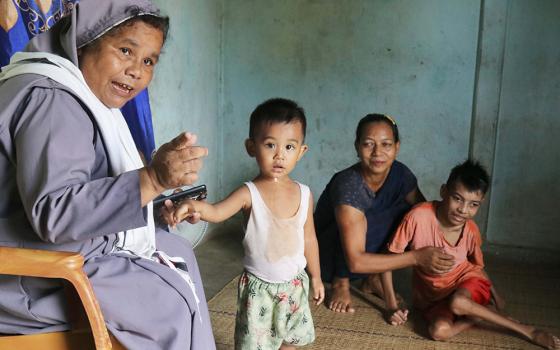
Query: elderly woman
x=360, y=208
x=72, y=180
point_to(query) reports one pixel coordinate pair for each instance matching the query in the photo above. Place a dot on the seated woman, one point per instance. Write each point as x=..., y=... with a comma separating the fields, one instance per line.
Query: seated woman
x=359, y=209
x=72, y=180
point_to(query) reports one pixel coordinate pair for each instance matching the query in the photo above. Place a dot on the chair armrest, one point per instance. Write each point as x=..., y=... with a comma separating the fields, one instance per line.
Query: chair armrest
x=64, y=265
x=39, y=263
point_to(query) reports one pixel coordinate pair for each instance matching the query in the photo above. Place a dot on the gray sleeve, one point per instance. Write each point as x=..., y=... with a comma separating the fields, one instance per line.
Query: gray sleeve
x=55, y=142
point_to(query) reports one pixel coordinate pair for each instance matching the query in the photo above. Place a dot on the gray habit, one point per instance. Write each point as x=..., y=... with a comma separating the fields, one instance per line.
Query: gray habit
x=56, y=193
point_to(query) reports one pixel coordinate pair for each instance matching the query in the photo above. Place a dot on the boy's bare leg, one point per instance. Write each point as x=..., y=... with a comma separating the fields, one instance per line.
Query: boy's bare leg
x=372, y=285
x=443, y=328
x=461, y=304
x=287, y=347
x=341, y=300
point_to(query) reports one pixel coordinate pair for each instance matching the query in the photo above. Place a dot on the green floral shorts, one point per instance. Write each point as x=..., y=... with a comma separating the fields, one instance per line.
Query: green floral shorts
x=269, y=314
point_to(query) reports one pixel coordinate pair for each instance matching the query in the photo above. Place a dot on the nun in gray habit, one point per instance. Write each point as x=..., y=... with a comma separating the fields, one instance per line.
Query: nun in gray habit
x=72, y=180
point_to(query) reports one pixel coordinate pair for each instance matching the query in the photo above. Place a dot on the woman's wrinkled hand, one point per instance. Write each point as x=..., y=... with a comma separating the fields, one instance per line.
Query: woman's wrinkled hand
x=177, y=162
x=166, y=213
x=433, y=260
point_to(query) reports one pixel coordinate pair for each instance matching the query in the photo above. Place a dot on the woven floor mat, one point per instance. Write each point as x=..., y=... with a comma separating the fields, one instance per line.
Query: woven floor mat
x=366, y=329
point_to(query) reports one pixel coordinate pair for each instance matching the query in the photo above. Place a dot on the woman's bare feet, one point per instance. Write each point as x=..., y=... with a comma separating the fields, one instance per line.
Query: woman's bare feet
x=545, y=339
x=341, y=300
x=372, y=285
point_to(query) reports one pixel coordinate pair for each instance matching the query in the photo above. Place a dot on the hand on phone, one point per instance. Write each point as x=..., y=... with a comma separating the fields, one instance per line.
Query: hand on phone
x=196, y=193
x=165, y=205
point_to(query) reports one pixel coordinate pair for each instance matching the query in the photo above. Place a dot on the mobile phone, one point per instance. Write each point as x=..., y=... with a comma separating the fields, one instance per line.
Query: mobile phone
x=196, y=193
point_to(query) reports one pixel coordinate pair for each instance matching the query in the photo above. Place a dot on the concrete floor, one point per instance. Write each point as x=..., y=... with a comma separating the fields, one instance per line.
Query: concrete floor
x=220, y=259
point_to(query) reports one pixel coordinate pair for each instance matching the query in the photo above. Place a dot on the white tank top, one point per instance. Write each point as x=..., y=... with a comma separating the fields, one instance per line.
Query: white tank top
x=274, y=246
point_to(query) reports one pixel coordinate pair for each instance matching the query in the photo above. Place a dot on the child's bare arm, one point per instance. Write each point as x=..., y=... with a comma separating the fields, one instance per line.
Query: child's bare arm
x=497, y=299
x=395, y=315
x=388, y=290
x=237, y=200
x=311, y=252
x=477, y=258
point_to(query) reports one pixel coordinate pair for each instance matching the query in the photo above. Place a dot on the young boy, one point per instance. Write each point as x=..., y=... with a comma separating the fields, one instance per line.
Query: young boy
x=272, y=306
x=451, y=301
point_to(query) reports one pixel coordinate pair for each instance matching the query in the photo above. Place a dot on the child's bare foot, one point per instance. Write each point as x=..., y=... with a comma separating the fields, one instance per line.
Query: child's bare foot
x=545, y=339
x=341, y=300
x=372, y=285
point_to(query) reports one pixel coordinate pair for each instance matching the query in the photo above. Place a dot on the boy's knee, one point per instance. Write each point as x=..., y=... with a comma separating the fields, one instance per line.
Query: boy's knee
x=459, y=304
x=440, y=330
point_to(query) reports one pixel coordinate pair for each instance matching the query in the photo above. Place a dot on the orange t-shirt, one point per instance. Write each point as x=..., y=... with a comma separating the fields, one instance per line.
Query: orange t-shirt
x=420, y=228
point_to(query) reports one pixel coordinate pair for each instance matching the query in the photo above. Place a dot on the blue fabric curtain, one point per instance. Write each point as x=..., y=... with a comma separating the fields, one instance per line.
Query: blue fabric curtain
x=138, y=116
x=24, y=19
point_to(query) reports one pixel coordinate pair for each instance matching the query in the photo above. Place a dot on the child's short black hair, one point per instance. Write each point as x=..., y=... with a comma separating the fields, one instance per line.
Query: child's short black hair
x=376, y=118
x=471, y=174
x=276, y=110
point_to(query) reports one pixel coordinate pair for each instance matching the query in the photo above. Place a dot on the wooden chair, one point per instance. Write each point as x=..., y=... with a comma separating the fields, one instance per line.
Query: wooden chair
x=66, y=266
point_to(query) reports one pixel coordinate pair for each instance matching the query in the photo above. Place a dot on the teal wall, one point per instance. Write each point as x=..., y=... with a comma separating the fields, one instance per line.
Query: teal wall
x=415, y=62
x=460, y=77
x=524, y=203
x=185, y=92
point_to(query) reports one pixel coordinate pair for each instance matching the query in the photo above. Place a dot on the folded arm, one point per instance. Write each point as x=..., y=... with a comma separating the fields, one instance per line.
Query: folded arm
x=62, y=179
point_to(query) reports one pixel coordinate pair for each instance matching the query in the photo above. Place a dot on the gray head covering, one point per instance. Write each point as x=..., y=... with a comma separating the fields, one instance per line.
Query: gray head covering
x=87, y=22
